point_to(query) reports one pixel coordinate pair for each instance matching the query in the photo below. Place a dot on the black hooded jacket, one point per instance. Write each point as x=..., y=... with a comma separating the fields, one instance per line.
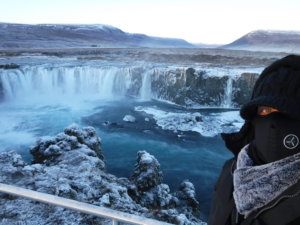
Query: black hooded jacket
x=276, y=87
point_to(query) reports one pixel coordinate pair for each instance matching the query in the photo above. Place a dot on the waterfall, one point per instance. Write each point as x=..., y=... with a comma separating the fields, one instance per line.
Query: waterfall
x=72, y=82
x=44, y=83
x=145, y=93
x=228, y=93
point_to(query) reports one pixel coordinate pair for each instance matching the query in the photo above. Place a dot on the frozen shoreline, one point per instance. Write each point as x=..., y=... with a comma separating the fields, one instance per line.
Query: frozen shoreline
x=208, y=125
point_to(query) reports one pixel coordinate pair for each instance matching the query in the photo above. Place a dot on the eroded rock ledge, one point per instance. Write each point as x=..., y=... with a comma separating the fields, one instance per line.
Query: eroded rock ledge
x=71, y=165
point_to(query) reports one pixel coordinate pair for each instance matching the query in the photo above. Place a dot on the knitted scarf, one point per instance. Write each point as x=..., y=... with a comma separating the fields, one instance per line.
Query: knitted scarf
x=256, y=186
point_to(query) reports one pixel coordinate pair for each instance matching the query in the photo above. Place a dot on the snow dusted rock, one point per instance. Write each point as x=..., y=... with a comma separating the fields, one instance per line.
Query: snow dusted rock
x=148, y=190
x=187, y=193
x=70, y=165
x=60, y=180
x=86, y=136
x=129, y=118
x=158, y=197
x=48, y=149
x=147, y=173
x=11, y=165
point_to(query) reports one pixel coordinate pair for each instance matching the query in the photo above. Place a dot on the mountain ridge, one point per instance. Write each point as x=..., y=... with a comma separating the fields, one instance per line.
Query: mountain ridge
x=50, y=36
x=17, y=36
x=267, y=40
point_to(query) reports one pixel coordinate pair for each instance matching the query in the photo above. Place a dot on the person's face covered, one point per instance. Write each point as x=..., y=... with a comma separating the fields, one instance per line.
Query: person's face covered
x=276, y=135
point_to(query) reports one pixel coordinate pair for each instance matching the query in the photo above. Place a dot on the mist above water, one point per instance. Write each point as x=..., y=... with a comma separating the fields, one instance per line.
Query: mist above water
x=56, y=83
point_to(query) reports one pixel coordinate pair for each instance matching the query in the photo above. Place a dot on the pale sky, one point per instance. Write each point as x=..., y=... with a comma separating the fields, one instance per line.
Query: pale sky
x=197, y=21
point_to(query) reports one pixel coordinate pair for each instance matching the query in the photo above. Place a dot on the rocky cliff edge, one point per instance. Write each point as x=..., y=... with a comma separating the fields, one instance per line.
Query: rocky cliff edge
x=71, y=165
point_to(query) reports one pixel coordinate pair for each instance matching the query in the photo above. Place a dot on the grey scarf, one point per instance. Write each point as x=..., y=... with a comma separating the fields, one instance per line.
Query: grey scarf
x=256, y=186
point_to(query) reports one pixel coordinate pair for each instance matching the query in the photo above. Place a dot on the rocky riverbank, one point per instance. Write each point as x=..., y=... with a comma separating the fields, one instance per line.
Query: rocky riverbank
x=72, y=165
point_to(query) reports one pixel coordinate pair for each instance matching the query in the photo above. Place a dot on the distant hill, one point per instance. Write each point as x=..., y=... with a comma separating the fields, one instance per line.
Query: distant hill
x=263, y=40
x=14, y=36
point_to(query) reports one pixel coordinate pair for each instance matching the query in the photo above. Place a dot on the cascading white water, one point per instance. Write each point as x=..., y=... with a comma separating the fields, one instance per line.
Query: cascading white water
x=69, y=82
x=145, y=92
x=228, y=93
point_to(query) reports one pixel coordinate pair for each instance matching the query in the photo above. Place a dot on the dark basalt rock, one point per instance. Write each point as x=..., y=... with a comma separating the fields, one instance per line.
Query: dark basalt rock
x=9, y=66
x=189, y=87
x=242, y=88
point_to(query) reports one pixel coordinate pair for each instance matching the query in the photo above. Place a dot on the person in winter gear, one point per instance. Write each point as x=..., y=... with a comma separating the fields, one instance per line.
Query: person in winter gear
x=260, y=185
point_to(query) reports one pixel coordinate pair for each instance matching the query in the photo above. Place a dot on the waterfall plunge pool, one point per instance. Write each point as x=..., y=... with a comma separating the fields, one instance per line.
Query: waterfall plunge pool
x=182, y=155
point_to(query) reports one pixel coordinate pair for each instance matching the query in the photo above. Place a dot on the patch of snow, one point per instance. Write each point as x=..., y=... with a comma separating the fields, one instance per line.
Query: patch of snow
x=233, y=72
x=146, y=158
x=274, y=32
x=105, y=200
x=129, y=118
x=208, y=126
x=79, y=26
